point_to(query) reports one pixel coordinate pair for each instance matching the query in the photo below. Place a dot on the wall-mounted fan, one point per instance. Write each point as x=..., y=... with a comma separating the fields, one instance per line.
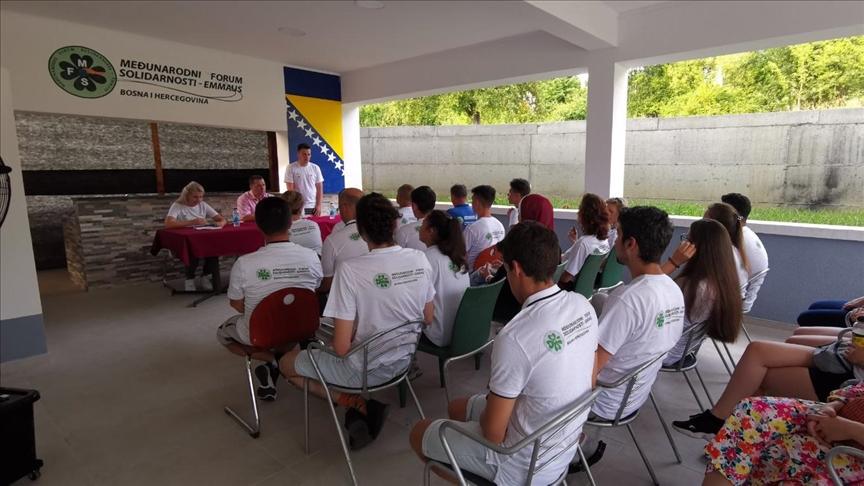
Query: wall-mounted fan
x=5, y=190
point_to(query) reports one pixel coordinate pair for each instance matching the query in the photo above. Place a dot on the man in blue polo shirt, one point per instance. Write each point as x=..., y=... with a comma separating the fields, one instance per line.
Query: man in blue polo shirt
x=461, y=210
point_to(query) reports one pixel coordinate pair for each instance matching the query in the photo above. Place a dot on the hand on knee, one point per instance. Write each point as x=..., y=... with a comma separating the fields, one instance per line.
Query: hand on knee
x=458, y=409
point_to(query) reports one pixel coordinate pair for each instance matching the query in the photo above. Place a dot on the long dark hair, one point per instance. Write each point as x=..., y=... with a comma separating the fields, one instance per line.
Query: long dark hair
x=448, y=237
x=713, y=265
x=593, y=216
x=726, y=215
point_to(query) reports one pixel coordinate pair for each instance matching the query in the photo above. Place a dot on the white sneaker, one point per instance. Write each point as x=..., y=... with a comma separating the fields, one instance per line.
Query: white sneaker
x=189, y=285
x=204, y=283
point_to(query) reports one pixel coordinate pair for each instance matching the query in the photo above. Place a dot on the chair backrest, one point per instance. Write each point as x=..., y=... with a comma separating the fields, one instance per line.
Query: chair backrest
x=286, y=316
x=629, y=380
x=404, y=335
x=613, y=271
x=489, y=255
x=693, y=340
x=474, y=317
x=559, y=270
x=587, y=274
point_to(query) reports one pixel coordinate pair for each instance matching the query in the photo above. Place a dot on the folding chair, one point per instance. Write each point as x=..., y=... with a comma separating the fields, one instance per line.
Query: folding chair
x=834, y=452
x=583, y=282
x=284, y=317
x=407, y=334
x=694, y=337
x=543, y=441
x=559, y=270
x=630, y=380
x=471, y=328
x=746, y=290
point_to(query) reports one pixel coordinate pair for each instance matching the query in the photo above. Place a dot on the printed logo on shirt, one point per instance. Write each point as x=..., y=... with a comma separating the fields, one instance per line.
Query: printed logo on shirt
x=660, y=320
x=382, y=281
x=354, y=236
x=263, y=274
x=554, y=341
x=668, y=316
x=404, y=220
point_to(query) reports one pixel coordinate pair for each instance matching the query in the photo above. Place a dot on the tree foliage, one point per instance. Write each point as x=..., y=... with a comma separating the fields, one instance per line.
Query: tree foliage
x=827, y=74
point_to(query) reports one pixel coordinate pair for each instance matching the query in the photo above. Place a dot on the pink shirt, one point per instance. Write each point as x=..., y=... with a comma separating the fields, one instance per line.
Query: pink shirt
x=247, y=201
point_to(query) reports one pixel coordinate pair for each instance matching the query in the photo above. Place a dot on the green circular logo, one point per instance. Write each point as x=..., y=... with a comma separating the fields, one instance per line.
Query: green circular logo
x=382, y=281
x=554, y=341
x=82, y=72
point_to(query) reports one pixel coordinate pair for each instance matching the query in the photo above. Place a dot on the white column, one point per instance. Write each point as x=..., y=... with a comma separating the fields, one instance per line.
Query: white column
x=606, y=125
x=351, y=145
x=284, y=157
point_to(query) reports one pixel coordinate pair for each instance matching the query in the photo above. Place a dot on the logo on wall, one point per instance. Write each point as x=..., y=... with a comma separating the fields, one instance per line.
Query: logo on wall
x=82, y=72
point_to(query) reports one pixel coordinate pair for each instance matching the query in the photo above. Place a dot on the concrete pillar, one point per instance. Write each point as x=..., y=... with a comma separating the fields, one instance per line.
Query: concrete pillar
x=606, y=125
x=285, y=156
x=351, y=144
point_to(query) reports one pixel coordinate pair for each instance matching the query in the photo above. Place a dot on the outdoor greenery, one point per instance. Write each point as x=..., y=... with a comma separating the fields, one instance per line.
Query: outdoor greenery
x=827, y=74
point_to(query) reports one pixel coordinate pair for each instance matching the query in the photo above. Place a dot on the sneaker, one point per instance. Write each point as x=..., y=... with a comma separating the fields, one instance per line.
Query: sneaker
x=376, y=414
x=204, y=283
x=358, y=430
x=700, y=426
x=594, y=458
x=189, y=285
x=267, y=384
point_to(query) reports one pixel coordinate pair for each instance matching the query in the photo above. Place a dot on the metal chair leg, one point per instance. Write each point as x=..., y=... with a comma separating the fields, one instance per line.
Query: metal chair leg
x=403, y=395
x=695, y=395
x=746, y=334
x=306, y=414
x=731, y=358
x=704, y=387
x=342, y=439
x=722, y=358
x=441, y=371
x=585, y=465
x=256, y=430
x=665, y=428
x=414, y=396
x=644, y=458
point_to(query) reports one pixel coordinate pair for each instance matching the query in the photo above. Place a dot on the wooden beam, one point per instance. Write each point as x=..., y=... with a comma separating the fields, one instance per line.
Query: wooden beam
x=157, y=158
x=273, y=158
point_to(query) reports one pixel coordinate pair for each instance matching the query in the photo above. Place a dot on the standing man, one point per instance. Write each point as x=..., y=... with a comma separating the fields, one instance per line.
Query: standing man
x=461, y=210
x=519, y=188
x=305, y=177
x=248, y=200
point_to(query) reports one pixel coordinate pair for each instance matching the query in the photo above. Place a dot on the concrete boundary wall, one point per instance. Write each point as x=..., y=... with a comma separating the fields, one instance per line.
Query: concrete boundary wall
x=810, y=158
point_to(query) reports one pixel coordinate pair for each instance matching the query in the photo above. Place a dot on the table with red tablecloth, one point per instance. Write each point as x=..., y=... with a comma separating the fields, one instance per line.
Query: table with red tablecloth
x=326, y=224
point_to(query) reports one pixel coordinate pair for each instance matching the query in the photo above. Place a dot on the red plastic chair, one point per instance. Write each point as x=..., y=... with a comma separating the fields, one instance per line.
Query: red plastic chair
x=284, y=317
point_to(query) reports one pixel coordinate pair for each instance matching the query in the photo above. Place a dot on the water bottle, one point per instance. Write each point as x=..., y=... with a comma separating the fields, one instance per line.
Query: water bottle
x=332, y=211
x=235, y=218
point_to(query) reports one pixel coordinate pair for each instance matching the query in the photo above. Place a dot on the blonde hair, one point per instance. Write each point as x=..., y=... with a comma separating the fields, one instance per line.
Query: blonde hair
x=294, y=200
x=189, y=189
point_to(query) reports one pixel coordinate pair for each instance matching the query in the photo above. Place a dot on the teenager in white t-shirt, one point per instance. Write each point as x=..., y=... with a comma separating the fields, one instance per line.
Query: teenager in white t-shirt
x=371, y=293
x=304, y=232
x=190, y=210
x=305, y=177
x=487, y=230
x=594, y=220
x=403, y=200
x=422, y=203
x=446, y=254
x=278, y=265
x=542, y=363
x=753, y=247
x=519, y=188
x=640, y=320
x=345, y=243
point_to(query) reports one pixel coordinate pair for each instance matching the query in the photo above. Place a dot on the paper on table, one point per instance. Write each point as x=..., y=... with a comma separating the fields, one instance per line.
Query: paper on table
x=208, y=227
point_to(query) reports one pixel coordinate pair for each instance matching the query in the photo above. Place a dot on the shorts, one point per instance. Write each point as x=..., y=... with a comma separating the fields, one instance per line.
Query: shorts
x=338, y=371
x=470, y=455
x=227, y=333
x=824, y=383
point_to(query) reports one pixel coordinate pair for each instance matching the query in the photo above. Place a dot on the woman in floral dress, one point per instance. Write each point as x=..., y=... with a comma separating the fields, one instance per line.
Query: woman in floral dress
x=770, y=440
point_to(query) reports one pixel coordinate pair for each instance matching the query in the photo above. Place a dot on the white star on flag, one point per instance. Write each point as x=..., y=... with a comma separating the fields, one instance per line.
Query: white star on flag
x=338, y=165
x=292, y=114
x=302, y=124
x=331, y=157
x=324, y=149
x=316, y=141
x=309, y=132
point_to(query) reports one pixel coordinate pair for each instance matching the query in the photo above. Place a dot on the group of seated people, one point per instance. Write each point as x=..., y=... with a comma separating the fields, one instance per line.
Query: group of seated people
x=386, y=265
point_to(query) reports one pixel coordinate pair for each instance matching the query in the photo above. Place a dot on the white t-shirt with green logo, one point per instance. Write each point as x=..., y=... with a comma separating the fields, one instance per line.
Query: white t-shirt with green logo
x=276, y=266
x=450, y=283
x=408, y=236
x=340, y=246
x=482, y=234
x=640, y=320
x=381, y=290
x=586, y=245
x=544, y=359
x=307, y=234
x=406, y=216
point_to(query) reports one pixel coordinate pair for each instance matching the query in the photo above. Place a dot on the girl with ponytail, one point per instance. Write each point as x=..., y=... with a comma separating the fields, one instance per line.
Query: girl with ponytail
x=727, y=216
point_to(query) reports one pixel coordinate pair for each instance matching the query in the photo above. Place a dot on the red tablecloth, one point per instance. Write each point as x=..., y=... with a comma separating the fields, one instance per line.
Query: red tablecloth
x=325, y=224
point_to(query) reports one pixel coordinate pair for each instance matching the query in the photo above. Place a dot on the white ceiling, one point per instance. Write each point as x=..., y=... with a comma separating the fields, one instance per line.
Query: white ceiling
x=340, y=35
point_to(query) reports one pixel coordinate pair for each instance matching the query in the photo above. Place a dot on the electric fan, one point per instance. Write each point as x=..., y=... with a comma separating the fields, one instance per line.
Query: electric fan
x=5, y=190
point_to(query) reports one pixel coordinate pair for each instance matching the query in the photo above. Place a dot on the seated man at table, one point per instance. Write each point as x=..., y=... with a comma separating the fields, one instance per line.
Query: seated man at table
x=387, y=287
x=284, y=264
x=247, y=201
x=542, y=363
x=344, y=243
x=190, y=210
x=304, y=232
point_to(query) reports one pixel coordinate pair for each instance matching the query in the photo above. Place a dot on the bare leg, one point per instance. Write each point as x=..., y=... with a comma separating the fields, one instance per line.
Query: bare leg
x=752, y=369
x=458, y=409
x=817, y=331
x=714, y=478
x=811, y=340
x=416, y=440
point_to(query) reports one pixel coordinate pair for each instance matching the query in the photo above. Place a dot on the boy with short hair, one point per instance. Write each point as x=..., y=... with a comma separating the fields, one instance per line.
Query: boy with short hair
x=422, y=203
x=403, y=200
x=519, y=188
x=487, y=230
x=461, y=210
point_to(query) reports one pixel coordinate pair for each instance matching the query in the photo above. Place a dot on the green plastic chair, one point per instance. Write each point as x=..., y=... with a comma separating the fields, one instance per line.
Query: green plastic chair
x=471, y=328
x=559, y=270
x=587, y=275
x=612, y=272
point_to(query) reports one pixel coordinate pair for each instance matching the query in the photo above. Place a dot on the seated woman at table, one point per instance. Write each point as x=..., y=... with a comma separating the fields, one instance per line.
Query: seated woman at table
x=304, y=232
x=190, y=210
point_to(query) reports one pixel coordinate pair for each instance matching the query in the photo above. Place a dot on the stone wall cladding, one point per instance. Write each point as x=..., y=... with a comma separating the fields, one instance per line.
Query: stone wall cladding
x=812, y=158
x=195, y=147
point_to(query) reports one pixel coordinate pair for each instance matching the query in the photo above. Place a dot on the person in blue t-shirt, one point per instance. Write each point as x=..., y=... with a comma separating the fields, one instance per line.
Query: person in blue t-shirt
x=461, y=209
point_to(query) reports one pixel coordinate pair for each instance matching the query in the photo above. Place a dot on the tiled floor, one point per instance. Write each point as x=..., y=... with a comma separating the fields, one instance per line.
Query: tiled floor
x=134, y=384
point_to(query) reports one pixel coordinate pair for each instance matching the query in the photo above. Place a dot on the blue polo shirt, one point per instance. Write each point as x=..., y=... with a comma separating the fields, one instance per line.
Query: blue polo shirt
x=464, y=213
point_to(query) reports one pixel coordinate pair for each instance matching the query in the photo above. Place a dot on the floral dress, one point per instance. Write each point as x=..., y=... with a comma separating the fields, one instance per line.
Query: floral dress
x=765, y=441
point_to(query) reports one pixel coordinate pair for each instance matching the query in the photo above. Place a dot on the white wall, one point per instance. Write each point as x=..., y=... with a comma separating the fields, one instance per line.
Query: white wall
x=27, y=42
x=19, y=291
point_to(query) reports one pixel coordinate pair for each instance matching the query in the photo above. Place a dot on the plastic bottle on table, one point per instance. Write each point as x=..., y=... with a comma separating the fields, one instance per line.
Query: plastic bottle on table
x=332, y=211
x=235, y=218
